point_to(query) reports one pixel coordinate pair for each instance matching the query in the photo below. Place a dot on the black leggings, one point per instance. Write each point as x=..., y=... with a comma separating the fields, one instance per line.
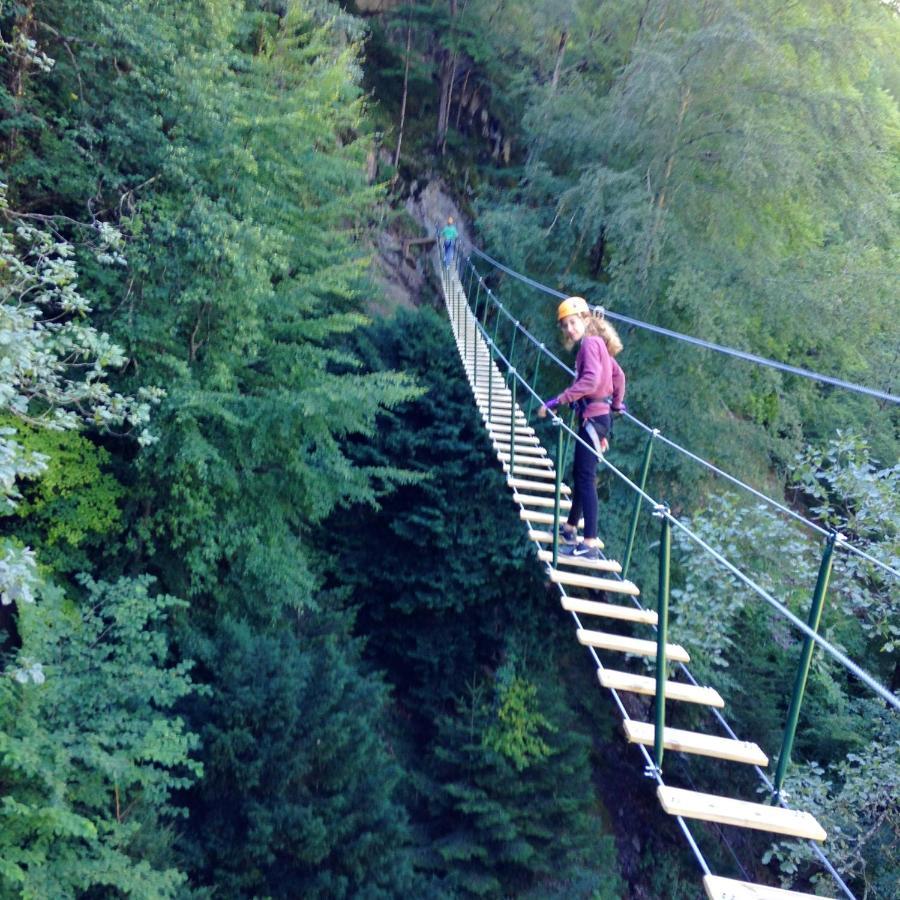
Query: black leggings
x=584, y=475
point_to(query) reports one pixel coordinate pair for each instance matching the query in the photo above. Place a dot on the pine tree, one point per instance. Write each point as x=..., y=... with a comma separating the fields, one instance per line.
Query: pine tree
x=298, y=791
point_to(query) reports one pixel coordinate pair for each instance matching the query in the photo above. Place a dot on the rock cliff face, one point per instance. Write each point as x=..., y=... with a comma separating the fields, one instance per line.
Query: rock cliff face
x=405, y=272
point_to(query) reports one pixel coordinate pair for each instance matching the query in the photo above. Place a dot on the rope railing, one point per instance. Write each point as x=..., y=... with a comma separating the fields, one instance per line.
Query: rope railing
x=845, y=545
x=700, y=342
x=652, y=769
x=829, y=648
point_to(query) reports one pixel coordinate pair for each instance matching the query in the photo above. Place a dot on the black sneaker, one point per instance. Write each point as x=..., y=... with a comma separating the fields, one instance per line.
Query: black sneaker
x=582, y=551
x=570, y=538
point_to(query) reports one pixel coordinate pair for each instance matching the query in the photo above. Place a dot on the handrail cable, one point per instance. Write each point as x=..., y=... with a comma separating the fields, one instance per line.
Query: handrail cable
x=829, y=648
x=650, y=768
x=699, y=342
x=849, y=547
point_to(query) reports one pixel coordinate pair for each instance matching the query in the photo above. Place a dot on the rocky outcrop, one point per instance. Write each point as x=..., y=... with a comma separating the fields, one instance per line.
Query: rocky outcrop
x=404, y=270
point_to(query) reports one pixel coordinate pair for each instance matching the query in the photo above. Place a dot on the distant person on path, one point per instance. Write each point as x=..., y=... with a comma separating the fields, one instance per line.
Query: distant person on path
x=597, y=391
x=449, y=234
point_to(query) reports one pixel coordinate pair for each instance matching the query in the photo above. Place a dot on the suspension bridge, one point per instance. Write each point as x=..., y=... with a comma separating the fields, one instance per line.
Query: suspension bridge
x=506, y=401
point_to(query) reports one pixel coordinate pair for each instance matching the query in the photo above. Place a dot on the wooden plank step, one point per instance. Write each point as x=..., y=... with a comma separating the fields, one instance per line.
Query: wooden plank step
x=608, y=610
x=535, y=453
x=743, y=814
x=634, y=646
x=574, y=579
x=525, y=484
x=530, y=471
x=697, y=743
x=503, y=424
x=504, y=428
x=532, y=515
x=579, y=562
x=523, y=436
x=718, y=888
x=530, y=500
x=532, y=460
x=522, y=441
x=645, y=684
x=545, y=537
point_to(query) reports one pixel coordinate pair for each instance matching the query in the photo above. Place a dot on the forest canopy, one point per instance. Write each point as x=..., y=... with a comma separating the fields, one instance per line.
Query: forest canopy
x=269, y=626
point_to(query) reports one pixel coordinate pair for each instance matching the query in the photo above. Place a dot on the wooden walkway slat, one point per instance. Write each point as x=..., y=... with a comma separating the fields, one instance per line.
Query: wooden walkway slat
x=645, y=684
x=531, y=500
x=718, y=888
x=533, y=461
x=527, y=485
x=725, y=810
x=697, y=743
x=545, y=537
x=574, y=579
x=634, y=646
x=532, y=515
x=609, y=610
x=534, y=449
x=596, y=565
x=530, y=471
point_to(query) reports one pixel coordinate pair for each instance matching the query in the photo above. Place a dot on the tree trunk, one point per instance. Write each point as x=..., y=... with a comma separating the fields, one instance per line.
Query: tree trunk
x=660, y=202
x=462, y=96
x=560, y=53
x=405, y=84
x=18, y=73
x=445, y=88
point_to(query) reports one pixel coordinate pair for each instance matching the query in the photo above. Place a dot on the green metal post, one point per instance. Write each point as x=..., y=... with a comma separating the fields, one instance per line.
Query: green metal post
x=512, y=425
x=662, y=632
x=636, y=512
x=556, y=502
x=512, y=347
x=475, y=336
x=497, y=320
x=491, y=384
x=465, y=319
x=569, y=436
x=537, y=368
x=815, y=617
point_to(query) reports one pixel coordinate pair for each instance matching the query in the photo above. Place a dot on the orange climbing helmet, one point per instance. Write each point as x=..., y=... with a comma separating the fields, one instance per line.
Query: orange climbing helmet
x=571, y=306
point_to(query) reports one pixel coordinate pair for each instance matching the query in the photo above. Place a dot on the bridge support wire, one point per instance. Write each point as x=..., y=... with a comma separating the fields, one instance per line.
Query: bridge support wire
x=490, y=354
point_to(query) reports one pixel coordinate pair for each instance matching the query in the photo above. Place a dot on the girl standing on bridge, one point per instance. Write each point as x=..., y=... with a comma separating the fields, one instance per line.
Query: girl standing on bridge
x=597, y=391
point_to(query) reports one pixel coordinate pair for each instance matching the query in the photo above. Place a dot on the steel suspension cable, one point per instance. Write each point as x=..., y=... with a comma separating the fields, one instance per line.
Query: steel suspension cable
x=650, y=767
x=846, y=545
x=700, y=342
x=829, y=648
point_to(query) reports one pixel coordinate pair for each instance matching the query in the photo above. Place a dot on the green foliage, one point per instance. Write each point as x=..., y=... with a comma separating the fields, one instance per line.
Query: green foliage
x=500, y=826
x=455, y=613
x=720, y=171
x=91, y=749
x=226, y=141
x=855, y=800
x=74, y=502
x=845, y=757
x=517, y=730
x=851, y=493
x=297, y=798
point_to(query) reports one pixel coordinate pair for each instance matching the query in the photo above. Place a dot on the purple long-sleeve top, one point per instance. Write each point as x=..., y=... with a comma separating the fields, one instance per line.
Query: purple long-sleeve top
x=598, y=378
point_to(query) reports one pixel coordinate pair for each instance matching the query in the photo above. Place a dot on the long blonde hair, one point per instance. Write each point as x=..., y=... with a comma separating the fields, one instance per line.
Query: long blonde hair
x=598, y=326
x=601, y=327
